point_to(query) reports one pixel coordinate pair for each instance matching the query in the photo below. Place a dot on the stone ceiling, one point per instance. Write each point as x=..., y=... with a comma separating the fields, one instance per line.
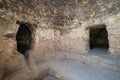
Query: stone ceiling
x=57, y=13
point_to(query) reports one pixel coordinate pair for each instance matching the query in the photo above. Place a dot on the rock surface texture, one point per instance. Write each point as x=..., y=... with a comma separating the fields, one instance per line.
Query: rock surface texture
x=56, y=25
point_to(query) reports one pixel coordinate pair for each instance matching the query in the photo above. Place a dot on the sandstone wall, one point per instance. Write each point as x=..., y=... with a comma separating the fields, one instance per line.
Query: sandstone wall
x=55, y=25
x=114, y=34
x=59, y=24
x=10, y=61
x=72, y=40
x=43, y=42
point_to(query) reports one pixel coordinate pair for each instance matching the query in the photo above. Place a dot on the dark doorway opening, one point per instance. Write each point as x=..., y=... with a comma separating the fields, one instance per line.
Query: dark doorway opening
x=23, y=38
x=99, y=38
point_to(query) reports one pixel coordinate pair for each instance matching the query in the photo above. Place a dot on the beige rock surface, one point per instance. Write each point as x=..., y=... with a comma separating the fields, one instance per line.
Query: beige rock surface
x=56, y=26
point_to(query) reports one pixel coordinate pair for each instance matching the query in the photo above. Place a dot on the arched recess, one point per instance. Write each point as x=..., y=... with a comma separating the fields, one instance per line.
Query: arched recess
x=98, y=37
x=24, y=38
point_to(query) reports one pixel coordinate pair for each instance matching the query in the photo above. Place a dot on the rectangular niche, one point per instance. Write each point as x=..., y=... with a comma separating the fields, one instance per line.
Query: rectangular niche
x=98, y=37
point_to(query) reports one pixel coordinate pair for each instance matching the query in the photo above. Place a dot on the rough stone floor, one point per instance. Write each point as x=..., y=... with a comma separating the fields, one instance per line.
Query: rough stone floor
x=64, y=65
x=75, y=70
x=85, y=66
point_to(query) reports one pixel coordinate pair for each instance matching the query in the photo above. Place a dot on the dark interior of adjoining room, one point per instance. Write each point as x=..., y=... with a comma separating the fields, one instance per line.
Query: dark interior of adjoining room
x=99, y=38
x=23, y=38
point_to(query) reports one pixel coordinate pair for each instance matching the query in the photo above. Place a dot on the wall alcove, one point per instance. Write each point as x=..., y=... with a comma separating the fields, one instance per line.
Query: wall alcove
x=23, y=38
x=98, y=37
